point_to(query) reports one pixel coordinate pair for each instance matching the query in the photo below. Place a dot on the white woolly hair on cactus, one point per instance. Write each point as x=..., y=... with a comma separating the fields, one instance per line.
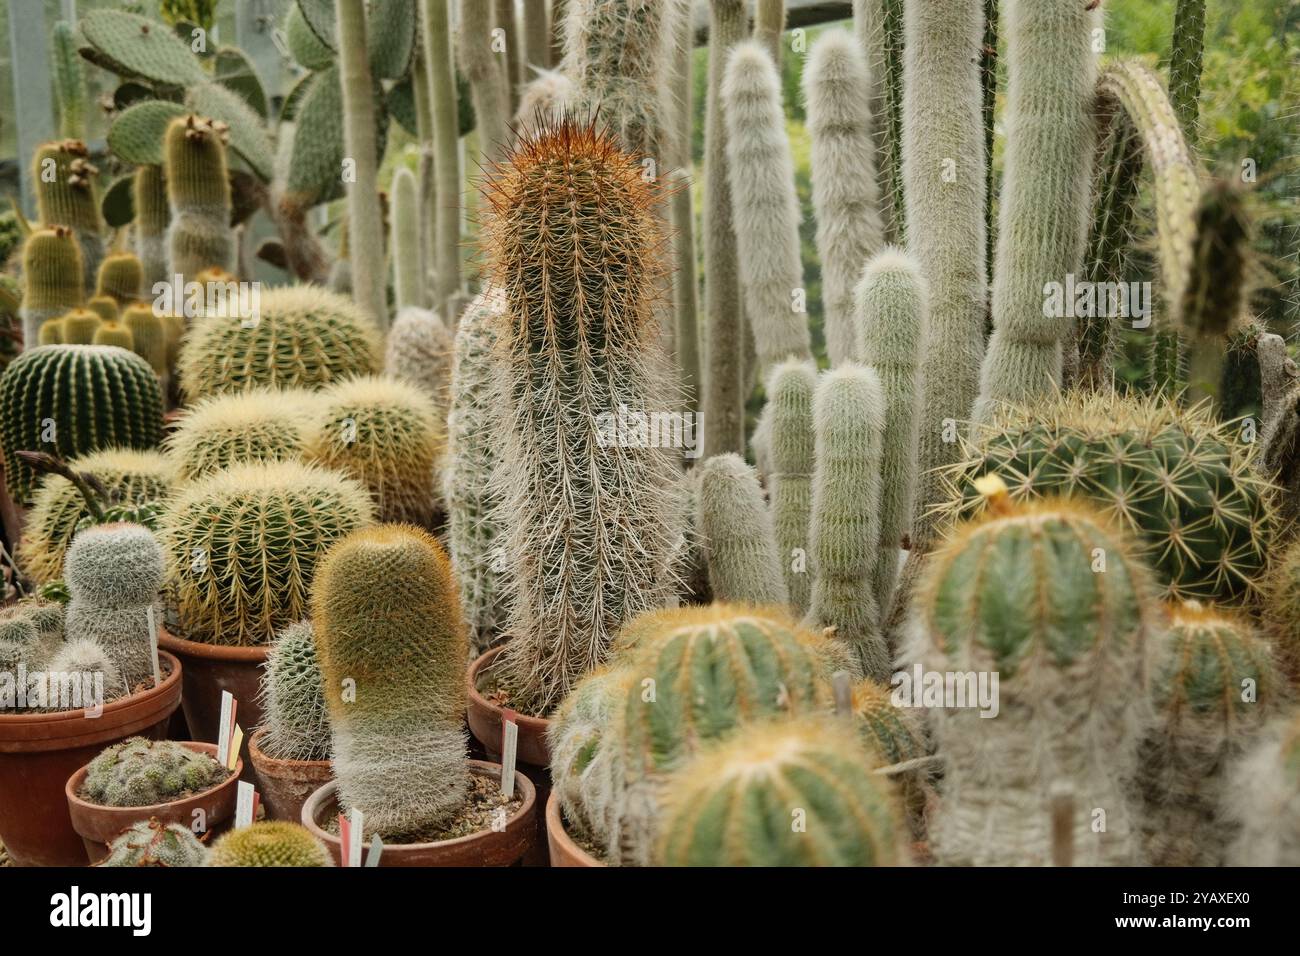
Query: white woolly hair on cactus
x=87, y=657
x=739, y=540
x=419, y=353
x=761, y=177
x=845, y=193
x=545, y=99
x=1262, y=799
x=789, y=414
x=408, y=270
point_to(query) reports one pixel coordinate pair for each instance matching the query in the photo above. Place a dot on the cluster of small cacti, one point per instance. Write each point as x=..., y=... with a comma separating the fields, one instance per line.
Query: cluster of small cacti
x=143, y=773
x=154, y=843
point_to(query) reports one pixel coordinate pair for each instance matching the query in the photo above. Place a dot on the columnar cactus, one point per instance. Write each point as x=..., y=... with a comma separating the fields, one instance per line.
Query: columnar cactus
x=122, y=277
x=148, y=336
x=387, y=617
x=261, y=424
x=544, y=99
x=152, y=216
x=243, y=543
x=74, y=399
x=790, y=412
x=564, y=474
x=849, y=420
x=1046, y=596
x=846, y=196
x=1188, y=39
x=154, y=843
x=404, y=242
x=305, y=337
x=1045, y=194
x=761, y=174
x=269, y=843
x=113, y=573
x=440, y=65
x=489, y=87
x=736, y=528
x=1265, y=801
x=419, y=352
x=879, y=27
x=142, y=773
x=69, y=81
x=943, y=163
x=790, y=793
x=295, y=720
x=386, y=435
x=78, y=327
x=64, y=180
x=52, y=265
x=1212, y=688
x=892, y=319
x=198, y=195
x=84, y=656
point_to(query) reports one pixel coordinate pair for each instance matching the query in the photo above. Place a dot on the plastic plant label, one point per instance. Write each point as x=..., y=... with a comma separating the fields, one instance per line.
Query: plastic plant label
x=509, y=748
x=236, y=741
x=245, y=804
x=153, y=645
x=376, y=851
x=224, y=726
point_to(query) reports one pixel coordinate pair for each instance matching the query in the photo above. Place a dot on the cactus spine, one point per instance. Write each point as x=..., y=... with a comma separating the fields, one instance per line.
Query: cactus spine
x=790, y=484
x=66, y=196
x=1185, y=63
x=739, y=542
x=293, y=698
x=152, y=216
x=54, y=284
x=198, y=195
x=446, y=156
x=262, y=424
x=408, y=268
x=846, y=198
x=387, y=616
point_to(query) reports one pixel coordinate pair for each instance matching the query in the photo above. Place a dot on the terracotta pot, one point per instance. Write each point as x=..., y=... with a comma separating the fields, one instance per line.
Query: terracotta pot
x=485, y=720
x=38, y=752
x=99, y=824
x=484, y=848
x=564, y=852
x=285, y=785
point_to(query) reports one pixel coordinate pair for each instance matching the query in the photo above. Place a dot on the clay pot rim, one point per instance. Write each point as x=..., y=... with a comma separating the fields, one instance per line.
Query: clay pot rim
x=169, y=683
x=261, y=758
x=74, y=784
x=220, y=652
x=536, y=725
x=523, y=786
x=555, y=829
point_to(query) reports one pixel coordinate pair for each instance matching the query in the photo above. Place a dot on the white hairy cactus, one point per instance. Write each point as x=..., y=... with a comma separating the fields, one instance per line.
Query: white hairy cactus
x=744, y=565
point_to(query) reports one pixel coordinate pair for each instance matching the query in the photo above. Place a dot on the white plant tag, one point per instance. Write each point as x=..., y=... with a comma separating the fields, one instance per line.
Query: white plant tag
x=354, y=844
x=244, y=808
x=153, y=645
x=223, y=728
x=510, y=746
x=376, y=850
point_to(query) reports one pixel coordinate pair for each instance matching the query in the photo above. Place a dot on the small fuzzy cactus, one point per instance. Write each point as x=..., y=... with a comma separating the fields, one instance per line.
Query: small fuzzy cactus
x=152, y=216
x=84, y=656
x=122, y=277
x=261, y=424
x=849, y=421
x=154, y=843
x=269, y=843
x=387, y=619
x=543, y=100
x=52, y=265
x=31, y=631
x=143, y=773
x=113, y=573
x=404, y=241
x=198, y=195
x=419, y=352
x=797, y=793
x=737, y=534
x=64, y=179
x=78, y=327
x=51, y=332
x=1264, y=801
x=790, y=413
x=148, y=336
x=293, y=698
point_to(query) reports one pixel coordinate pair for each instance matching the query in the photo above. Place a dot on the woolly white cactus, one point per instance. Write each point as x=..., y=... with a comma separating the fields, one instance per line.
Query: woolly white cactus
x=1262, y=799
x=845, y=193
x=420, y=354
x=85, y=656
x=293, y=698
x=790, y=426
x=761, y=176
x=404, y=241
x=545, y=99
x=744, y=565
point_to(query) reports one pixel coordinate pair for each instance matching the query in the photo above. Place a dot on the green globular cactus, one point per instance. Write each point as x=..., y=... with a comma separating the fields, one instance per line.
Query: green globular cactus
x=483, y=68
x=52, y=267
x=1180, y=483
x=75, y=399
x=148, y=336
x=113, y=573
x=567, y=468
x=760, y=171
x=295, y=720
x=1212, y=688
x=408, y=268
x=198, y=197
x=1049, y=598
x=420, y=352
x=129, y=477
x=1265, y=801
x=242, y=546
x=142, y=773
x=795, y=793
x=846, y=197
x=1045, y=197
x=470, y=494
x=114, y=333
x=69, y=81
x=792, y=445
x=31, y=631
x=152, y=216
x=269, y=843
x=85, y=657
x=261, y=424
x=304, y=336
x=386, y=435
x=891, y=304
x=848, y=420
x=122, y=277
x=896, y=735
x=387, y=617
x=51, y=333
x=738, y=537
x=64, y=179
x=78, y=327
x=943, y=170
x=154, y=843
x=682, y=678
x=104, y=306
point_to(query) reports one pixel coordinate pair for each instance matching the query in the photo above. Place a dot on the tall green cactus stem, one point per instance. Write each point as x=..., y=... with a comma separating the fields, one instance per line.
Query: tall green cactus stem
x=943, y=168
x=470, y=493
x=78, y=327
x=892, y=319
x=1045, y=195
x=446, y=150
x=141, y=773
x=54, y=280
x=846, y=198
x=66, y=196
x=295, y=719
x=69, y=81
x=790, y=405
x=739, y=542
x=989, y=81
x=419, y=352
x=1213, y=687
x=404, y=242
x=880, y=28
x=761, y=174
x=73, y=399
x=122, y=277
x=269, y=843
x=148, y=336
x=733, y=805
x=508, y=23
x=1185, y=58
x=849, y=421
x=242, y=571
x=567, y=466
x=113, y=573
x=723, y=370
x=152, y=216
x=364, y=215
x=1022, y=594
x=198, y=196
x=1266, y=800
x=388, y=623
x=261, y=424
x=483, y=67
x=686, y=339
x=154, y=843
